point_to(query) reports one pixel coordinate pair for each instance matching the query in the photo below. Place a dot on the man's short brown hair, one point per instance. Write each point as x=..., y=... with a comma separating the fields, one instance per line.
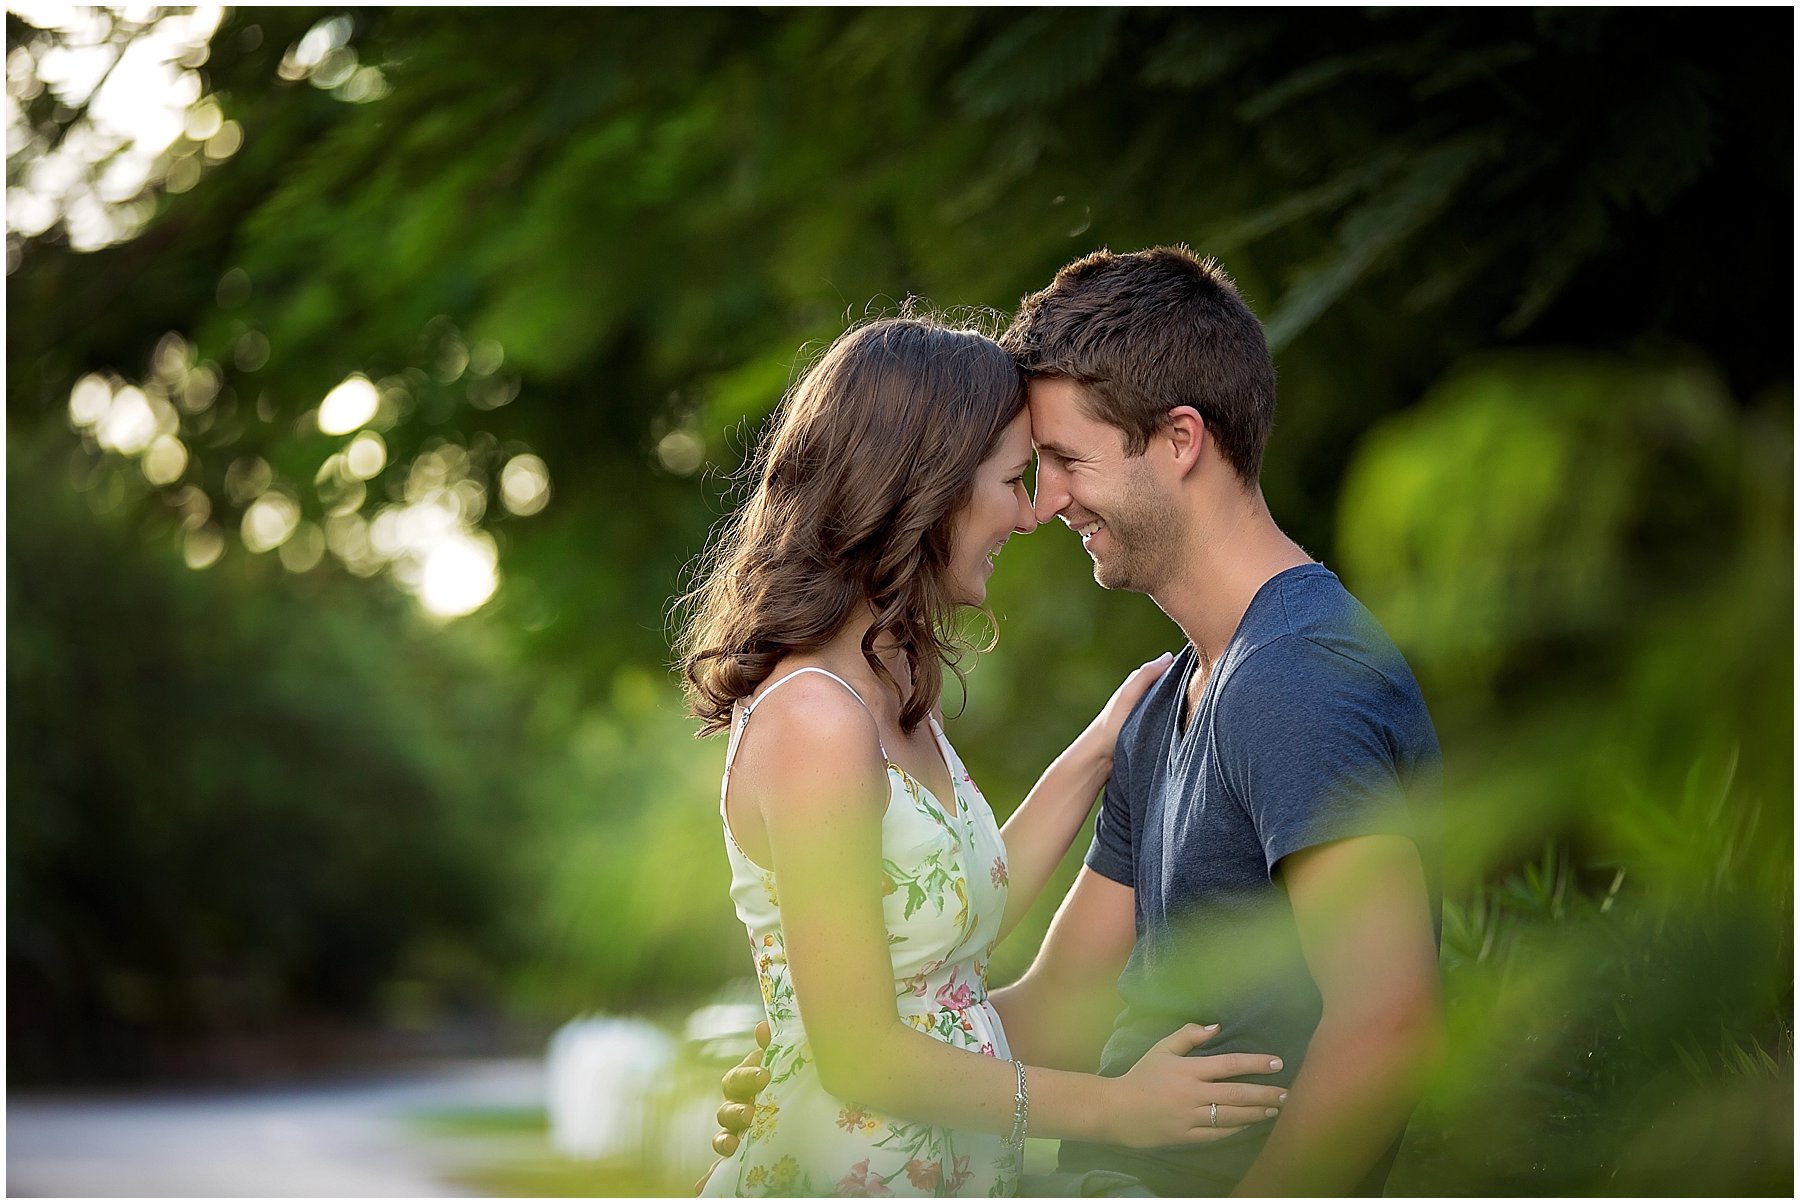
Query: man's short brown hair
x=1149, y=331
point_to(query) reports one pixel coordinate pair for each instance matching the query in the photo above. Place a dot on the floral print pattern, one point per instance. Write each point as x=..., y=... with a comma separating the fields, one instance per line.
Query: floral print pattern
x=943, y=884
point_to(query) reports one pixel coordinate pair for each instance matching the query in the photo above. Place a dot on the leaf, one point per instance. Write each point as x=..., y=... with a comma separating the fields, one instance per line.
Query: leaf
x=1041, y=58
x=1299, y=206
x=1316, y=77
x=1200, y=51
x=1375, y=228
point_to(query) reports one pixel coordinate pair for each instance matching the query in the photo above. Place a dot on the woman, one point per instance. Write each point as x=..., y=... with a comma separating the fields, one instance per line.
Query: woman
x=866, y=865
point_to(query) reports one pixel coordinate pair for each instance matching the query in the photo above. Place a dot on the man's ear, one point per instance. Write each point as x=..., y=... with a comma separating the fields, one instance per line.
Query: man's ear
x=1187, y=435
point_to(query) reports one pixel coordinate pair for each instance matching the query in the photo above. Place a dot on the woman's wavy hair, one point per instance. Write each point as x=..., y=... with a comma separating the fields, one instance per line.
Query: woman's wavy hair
x=858, y=479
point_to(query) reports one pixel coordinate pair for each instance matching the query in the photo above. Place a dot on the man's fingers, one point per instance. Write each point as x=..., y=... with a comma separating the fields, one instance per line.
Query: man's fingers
x=742, y=1084
x=725, y=1144
x=735, y=1118
x=762, y=1036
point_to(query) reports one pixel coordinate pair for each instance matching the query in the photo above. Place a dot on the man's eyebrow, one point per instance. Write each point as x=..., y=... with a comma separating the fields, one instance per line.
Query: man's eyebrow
x=1055, y=449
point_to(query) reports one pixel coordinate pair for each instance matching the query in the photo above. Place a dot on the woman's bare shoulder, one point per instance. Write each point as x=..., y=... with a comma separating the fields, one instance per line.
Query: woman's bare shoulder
x=810, y=738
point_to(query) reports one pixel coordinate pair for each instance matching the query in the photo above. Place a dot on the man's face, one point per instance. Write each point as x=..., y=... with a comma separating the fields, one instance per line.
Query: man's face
x=1126, y=518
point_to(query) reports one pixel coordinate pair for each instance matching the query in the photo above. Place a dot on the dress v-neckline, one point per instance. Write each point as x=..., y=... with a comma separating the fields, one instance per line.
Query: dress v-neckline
x=955, y=811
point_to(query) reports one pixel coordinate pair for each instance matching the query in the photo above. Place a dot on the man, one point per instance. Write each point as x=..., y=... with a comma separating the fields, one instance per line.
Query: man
x=1263, y=856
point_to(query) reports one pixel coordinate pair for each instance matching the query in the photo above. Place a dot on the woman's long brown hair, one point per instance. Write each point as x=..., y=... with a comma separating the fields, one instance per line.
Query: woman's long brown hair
x=858, y=480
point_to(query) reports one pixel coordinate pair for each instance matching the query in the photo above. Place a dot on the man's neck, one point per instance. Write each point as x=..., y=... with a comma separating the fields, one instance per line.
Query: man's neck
x=1228, y=558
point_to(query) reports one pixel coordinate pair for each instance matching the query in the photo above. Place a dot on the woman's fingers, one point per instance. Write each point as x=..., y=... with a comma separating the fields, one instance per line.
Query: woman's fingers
x=1234, y=1065
x=1244, y=1095
x=744, y=1082
x=700, y=1183
x=1232, y=1120
x=1233, y=1117
x=741, y=1084
x=1204, y=1133
x=1187, y=1037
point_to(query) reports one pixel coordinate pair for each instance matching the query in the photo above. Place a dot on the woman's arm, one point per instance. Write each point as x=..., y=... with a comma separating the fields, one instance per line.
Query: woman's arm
x=1060, y=1012
x=821, y=790
x=1040, y=832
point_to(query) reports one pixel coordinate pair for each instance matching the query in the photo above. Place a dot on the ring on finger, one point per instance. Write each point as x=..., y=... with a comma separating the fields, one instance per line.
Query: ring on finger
x=1213, y=1116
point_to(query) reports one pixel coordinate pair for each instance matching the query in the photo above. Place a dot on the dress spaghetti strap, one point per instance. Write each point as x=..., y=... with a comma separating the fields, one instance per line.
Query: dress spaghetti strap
x=744, y=713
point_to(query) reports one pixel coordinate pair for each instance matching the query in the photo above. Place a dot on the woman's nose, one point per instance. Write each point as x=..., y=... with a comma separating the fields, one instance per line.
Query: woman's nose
x=1026, y=521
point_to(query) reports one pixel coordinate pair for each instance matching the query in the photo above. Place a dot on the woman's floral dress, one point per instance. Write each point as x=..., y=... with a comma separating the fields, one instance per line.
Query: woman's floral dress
x=944, y=881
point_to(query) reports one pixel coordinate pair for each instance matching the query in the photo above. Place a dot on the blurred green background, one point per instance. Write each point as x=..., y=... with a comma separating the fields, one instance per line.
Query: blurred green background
x=372, y=375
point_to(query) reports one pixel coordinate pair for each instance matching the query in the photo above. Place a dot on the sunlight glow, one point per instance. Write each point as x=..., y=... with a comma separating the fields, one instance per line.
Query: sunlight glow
x=460, y=574
x=129, y=75
x=133, y=421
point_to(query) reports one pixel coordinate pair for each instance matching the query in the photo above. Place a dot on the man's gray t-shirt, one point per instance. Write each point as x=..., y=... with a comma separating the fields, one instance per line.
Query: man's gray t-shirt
x=1311, y=729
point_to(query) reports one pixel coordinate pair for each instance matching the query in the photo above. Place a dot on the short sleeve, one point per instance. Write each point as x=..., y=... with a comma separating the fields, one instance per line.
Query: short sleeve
x=1111, y=853
x=1304, y=736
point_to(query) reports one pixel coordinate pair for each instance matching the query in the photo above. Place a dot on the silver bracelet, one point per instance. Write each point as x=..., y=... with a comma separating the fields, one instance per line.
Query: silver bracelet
x=1021, y=1110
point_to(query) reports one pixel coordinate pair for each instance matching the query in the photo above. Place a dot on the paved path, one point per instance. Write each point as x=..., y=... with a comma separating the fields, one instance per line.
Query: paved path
x=339, y=1139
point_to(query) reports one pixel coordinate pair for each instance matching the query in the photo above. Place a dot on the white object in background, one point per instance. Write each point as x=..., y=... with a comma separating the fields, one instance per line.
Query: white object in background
x=603, y=1073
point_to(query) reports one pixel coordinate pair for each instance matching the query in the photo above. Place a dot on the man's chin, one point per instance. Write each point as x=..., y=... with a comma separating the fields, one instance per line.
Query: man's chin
x=1110, y=576
x=1119, y=574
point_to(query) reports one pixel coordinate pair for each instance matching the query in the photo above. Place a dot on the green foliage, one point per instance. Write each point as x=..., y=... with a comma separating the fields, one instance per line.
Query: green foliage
x=230, y=802
x=1536, y=376
x=1630, y=696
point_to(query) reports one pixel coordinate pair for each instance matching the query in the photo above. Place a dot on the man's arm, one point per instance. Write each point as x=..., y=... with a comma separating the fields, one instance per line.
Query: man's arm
x=1365, y=927
x=1364, y=916
x=1061, y=1011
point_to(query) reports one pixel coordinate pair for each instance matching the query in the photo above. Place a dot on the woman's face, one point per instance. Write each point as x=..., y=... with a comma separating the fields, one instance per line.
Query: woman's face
x=999, y=506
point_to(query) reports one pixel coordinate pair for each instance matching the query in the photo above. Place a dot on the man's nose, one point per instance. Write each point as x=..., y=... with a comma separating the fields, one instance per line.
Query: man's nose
x=1052, y=495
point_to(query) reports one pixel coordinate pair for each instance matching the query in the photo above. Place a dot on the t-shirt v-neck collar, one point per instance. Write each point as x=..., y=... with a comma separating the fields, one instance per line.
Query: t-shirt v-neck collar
x=1185, y=723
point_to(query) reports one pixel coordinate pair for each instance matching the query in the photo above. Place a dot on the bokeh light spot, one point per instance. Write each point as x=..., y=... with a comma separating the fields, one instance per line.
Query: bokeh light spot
x=165, y=460
x=460, y=573
x=202, y=546
x=234, y=288
x=366, y=456
x=252, y=351
x=350, y=405
x=525, y=484
x=226, y=142
x=270, y=521
x=246, y=477
x=302, y=552
x=89, y=401
x=130, y=423
x=486, y=356
x=681, y=452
